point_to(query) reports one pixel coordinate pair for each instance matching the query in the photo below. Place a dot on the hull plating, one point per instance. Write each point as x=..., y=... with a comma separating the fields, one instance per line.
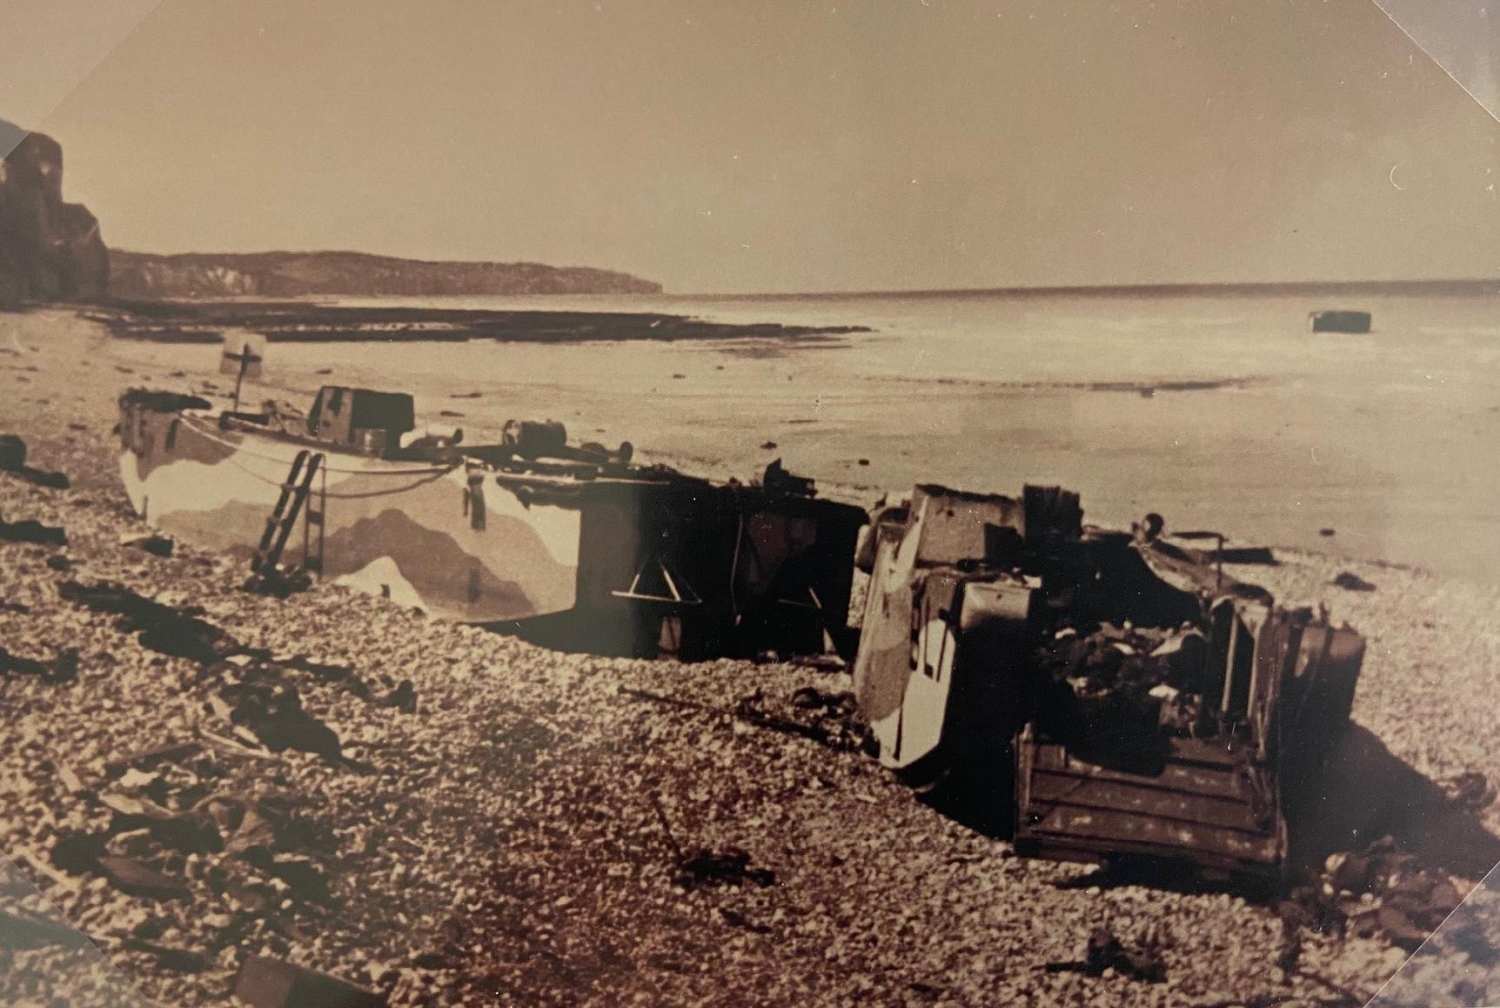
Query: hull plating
x=414, y=532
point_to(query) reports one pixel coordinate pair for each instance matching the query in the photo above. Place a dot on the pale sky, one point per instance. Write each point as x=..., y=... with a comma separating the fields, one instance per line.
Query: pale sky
x=779, y=146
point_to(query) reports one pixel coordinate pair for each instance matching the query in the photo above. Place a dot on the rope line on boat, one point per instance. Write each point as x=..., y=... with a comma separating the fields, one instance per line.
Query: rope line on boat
x=433, y=476
x=240, y=448
x=331, y=495
x=429, y=474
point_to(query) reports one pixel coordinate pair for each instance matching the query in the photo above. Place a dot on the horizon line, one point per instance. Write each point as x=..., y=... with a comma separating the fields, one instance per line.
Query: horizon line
x=1180, y=287
x=1157, y=288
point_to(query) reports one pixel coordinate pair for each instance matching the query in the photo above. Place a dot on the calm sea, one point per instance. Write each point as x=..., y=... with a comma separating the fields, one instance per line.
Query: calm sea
x=1219, y=411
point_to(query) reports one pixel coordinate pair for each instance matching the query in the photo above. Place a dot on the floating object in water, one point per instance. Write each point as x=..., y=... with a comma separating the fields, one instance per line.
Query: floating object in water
x=1339, y=320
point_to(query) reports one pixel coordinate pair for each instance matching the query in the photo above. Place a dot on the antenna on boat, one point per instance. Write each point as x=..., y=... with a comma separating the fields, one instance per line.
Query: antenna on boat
x=243, y=355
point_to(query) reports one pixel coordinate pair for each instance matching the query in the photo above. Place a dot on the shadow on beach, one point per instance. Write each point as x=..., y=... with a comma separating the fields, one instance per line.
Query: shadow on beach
x=1365, y=792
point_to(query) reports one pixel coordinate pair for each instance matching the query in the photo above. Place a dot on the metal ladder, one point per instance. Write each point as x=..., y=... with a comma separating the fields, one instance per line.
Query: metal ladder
x=283, y=517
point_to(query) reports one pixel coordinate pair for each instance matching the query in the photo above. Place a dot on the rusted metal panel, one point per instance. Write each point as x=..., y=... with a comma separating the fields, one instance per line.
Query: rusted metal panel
x=931, y=632
x=1149, y=797
x=955, y=526
x=1090, y=809
x=1203, y=770
x=883, y=661
x=1108, y=831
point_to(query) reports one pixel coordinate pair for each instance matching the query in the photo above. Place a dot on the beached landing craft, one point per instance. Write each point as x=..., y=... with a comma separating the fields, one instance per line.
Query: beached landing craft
x=1107, y=692
x=570, y=545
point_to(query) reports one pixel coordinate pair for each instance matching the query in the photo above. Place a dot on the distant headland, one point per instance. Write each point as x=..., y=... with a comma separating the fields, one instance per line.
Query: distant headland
x=52, y=250
x=293, y=274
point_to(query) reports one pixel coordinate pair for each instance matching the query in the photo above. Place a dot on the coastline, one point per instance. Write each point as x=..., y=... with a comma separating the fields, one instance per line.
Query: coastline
x=311, y=322
x=511, y=812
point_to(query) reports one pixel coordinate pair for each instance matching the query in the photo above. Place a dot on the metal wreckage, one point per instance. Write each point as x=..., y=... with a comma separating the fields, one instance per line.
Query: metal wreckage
x=1115, y=693
x=1112, y=693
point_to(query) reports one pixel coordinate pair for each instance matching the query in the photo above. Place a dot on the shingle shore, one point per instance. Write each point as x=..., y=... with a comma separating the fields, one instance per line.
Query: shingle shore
x=500, y=844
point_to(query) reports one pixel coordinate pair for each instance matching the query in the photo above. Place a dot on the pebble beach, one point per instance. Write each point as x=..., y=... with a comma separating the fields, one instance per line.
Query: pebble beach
x=496, y=823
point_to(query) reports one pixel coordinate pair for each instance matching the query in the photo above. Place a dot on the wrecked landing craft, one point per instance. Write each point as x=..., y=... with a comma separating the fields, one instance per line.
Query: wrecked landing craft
x=1108, y=692
x=569, y=545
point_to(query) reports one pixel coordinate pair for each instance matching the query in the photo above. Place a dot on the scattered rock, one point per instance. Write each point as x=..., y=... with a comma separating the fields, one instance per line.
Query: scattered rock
x=1380, y=890
x=768, y=445
x=42, y=477
x=1352, y=582
x=157, y=545
x=77, y=852
x=1470, y=790
x=12, y=453
x=731, y=866
x=403, y=697
x=273, y=713
x=175, y=632
x=152, y=757
x=829, y=663
x=256, y=830
x=1326, y=532
x=304, y=879
x=739, y=920
x=328, y=672
x=278, y=583
x=1106, y=956
x=29, y=531
x=174, y=959
x=69, y=779
x=137, y=879
x=61, y=669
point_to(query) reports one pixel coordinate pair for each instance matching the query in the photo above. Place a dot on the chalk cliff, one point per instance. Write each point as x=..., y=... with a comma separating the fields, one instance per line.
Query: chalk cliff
x=286, y=274
x=49, y=249
x=52, y=250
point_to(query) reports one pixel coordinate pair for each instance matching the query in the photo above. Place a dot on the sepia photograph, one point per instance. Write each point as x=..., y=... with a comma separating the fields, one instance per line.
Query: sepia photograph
x=924, y=503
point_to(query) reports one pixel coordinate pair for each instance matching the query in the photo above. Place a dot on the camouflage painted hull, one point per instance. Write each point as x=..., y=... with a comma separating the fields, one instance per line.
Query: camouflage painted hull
x=408, y=531
x=602, y=557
